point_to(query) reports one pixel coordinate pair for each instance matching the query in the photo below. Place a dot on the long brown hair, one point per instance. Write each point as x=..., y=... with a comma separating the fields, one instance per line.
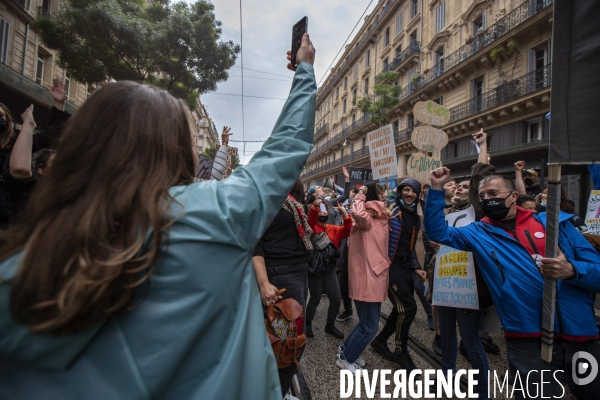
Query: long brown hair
x=7, y=133
x=86, y=224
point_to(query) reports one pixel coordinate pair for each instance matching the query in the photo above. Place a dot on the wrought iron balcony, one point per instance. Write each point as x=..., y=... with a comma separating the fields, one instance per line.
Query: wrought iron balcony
x=516, y=17
x=403, y=56
x=321, y=129
x=343, y=134
x=529, y=83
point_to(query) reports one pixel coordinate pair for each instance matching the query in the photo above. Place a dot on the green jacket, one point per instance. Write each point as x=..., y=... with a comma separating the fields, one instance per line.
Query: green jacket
x=198, y=332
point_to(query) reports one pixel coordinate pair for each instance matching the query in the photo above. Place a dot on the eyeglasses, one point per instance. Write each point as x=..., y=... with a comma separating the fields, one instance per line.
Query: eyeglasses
x=490, y=194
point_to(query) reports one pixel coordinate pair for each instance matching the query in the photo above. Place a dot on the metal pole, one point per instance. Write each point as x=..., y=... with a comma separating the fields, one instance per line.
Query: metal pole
x=553, y=204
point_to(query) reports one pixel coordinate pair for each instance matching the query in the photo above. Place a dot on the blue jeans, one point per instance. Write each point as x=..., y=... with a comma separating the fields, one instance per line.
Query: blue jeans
x=468, y=324
x=364, y=331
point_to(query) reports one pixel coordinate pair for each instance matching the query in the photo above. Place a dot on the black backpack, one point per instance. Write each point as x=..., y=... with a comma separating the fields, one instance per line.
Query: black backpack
x=323, y=256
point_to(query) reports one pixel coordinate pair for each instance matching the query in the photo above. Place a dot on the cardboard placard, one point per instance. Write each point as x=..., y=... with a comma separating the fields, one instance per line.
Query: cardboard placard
x=430, y=139
x=455, y=284
x=360, y=176
x=206, y=166
x=382, y=150
x=489, y=320
x=430, y=113
x=420, y=165
x=592, y=217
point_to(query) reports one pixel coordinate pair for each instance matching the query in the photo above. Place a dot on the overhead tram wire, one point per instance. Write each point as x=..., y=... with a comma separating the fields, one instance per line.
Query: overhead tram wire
x=241, y=95
x=346, y=41
x=242, y=62
x=264, y=72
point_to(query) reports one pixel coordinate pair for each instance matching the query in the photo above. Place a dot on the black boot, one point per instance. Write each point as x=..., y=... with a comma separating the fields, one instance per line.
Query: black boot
x=309, y=332
x=382, y=349
x=332, y=330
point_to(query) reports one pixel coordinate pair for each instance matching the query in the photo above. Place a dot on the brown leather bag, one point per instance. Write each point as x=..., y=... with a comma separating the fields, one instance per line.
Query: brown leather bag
x=285, y=328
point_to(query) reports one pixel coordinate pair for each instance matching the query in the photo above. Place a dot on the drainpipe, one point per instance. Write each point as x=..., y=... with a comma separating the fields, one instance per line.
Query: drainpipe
x=421, y=45
x=25, y=48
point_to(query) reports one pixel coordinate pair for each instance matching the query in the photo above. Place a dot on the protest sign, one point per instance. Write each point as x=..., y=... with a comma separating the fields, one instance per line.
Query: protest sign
x=489, y=320
x=430, y=113
x=420, y=165
x=206, y=166
x=429, y=139
x=360, y=176
x=455, y=284
x=592, y=217
x=382, y=150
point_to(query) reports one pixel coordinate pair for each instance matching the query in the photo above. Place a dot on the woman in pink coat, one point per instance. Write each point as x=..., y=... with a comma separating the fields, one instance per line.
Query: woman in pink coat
x=368, y=277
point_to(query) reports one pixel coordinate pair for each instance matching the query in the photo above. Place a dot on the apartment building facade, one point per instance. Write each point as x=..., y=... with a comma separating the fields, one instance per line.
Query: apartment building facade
x=488, y=61
x=206, y=132
x=27, y=67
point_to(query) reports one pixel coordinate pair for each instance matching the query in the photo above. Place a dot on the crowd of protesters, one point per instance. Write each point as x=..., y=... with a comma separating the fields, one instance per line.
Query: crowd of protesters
x=119, y=272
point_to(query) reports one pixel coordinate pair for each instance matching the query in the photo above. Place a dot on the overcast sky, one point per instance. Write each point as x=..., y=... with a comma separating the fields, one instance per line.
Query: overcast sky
x=267, y=35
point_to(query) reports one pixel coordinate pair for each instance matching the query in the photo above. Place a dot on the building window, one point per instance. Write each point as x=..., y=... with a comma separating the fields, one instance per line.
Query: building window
x=337, y=92
x=39, y=72
x=479, y=24
x=398, y=23
x=385, y=65
x=355, y=72
x=439, y=100
x=4, y=34
x=354, y=95
x=411, y=73
x=386, y=37
x=534, y=130
x=414, y=8
x=344, y=107
x=440, y=17
x=410, y=122
x=368, y=58
x=439, y=61
x=413, y=37
x=477, y=87
x=67, y=84
x=395, y=126
x=398, y=51
x=366, y=86
x=335, y=113
x=345, y=84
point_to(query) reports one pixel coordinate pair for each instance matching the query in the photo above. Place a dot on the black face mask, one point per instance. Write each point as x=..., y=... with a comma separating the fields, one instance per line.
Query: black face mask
x=495, y=208
x=323, y=218
x=2, y=124
x=528, y=181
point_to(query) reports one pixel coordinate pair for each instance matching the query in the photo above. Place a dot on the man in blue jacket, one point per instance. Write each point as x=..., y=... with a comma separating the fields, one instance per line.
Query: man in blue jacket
x=509, y=246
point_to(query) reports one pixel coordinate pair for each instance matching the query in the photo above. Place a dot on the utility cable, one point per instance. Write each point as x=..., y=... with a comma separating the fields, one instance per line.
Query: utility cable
x=263, y=72
x=241, y=95
x=242, y=62
x=341, y=48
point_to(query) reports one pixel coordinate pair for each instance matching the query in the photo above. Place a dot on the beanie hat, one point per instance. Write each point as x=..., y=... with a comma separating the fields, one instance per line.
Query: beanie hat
x=312, y=189
x=371, y=194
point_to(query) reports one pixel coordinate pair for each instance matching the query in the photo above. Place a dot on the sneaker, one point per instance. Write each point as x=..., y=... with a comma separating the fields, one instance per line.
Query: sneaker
x=382, y=349
x=341, y=363
x=463, y=351
x=405, y=362
x=430, y=323
x=359, y=361
x=489, y=346
x=437, y=345
x=288, y=396
x=344, y=316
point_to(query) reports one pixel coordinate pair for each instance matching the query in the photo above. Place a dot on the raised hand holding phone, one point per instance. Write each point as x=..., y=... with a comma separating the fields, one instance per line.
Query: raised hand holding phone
x=298, y=32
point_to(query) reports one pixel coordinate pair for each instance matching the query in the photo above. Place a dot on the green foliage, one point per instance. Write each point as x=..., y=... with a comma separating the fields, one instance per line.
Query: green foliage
x=174, y=46
x=512, y=47
x=235, y=162
x=210, y=151
x=385, y=97
x=496, y=53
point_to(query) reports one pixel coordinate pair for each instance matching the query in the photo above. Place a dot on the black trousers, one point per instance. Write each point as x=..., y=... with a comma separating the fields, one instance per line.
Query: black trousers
x=567, y=357
x=329, y=281
x=401, y=293
x=344, y=291
x=293, y=278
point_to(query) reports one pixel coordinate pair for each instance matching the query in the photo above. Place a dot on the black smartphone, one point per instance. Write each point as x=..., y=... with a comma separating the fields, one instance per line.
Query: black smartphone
x=297, y=32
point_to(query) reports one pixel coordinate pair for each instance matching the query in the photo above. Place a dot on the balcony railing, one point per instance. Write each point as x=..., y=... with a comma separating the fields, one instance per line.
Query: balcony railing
x=403, y=56
x=344, y=133
x=529, y=83
x=321, y=129
x=399, y=137
x=358, y=46
x=519, y=15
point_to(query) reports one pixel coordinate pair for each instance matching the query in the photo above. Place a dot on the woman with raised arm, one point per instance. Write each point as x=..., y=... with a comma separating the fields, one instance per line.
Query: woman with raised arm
x=129, y=281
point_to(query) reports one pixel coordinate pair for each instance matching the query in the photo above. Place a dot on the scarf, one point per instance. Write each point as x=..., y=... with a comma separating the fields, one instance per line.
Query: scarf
x=458, y=205
x=304, y=231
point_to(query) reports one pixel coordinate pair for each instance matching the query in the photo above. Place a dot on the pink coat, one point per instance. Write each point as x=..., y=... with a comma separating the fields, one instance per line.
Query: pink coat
x=368, y=261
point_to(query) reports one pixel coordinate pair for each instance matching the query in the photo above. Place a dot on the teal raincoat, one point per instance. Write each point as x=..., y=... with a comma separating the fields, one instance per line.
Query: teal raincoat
x=198, y=332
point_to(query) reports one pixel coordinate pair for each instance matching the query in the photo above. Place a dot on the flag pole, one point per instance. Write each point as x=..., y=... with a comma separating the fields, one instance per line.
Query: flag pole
x=552, y=232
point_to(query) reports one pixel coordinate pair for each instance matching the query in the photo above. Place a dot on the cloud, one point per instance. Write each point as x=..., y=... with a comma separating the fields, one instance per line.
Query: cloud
x=267, y=31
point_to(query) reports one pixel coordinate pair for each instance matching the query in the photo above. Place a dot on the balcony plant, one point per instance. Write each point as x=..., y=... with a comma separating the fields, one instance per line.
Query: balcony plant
x=512, y=46
x=496, y=53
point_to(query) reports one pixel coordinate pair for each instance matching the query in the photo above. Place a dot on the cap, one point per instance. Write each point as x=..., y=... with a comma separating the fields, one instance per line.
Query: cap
x=531, y=172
